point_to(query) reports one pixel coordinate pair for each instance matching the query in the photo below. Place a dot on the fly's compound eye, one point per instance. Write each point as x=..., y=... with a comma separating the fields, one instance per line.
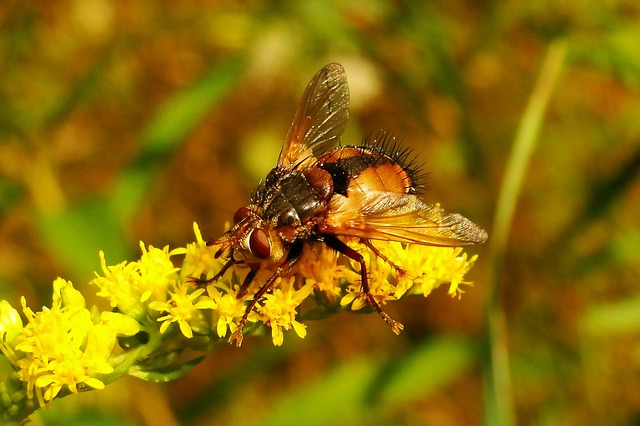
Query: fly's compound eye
x=240, y=214
x=259, y=243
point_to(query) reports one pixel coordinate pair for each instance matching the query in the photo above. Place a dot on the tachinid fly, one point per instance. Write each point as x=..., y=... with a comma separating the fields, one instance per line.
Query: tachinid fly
x=321, y=191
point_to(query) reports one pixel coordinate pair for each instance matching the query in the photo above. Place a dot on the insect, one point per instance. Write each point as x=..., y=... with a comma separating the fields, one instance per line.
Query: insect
x=320, y=191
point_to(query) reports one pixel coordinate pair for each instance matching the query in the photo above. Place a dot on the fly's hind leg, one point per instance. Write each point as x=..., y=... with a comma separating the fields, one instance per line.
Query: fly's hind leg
x=341, y=247
x=401, y=272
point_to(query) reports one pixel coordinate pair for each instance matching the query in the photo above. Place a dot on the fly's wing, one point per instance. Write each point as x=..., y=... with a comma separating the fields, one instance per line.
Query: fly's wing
x=404, y=218
x=320, y=119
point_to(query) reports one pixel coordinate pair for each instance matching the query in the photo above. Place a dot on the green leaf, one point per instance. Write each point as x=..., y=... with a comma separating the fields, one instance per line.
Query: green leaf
x=622, y=318
x=427, y=369
x=365, y=390
x=164, y=374
x=83, y=417
x=76, y=235
x=337, y=395
x=124, y=361
x=167, y=131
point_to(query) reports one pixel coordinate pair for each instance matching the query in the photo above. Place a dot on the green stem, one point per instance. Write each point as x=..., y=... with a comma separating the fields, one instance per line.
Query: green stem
x=500, y=410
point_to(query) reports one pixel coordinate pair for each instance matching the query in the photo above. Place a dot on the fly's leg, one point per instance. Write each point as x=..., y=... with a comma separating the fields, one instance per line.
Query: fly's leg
x=284, y=268
x=244, y=287
x=378, y=253
x=341, y=247
x=237, y=336
x=201, y=282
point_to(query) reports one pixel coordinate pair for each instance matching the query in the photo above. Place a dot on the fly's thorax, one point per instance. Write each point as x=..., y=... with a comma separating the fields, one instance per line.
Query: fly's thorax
x=293, y=199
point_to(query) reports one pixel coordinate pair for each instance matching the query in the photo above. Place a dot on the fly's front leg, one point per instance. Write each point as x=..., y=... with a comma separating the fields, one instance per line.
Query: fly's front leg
x=201, y=282
x=244, y=287
x=284, y=268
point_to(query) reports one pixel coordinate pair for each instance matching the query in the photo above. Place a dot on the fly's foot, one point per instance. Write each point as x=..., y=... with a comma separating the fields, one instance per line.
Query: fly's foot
x=201, y=282
x=237, y=336
x=396, y=326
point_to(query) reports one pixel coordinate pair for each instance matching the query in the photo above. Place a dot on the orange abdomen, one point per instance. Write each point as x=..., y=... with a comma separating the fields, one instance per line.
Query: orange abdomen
x=365, y=169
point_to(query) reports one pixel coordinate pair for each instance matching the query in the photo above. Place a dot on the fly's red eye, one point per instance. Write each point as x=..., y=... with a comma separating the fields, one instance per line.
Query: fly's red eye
x=240, y=214
x=259, y=243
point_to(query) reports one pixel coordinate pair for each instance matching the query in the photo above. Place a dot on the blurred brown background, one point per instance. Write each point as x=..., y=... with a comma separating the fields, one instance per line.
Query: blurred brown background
x=128, y=121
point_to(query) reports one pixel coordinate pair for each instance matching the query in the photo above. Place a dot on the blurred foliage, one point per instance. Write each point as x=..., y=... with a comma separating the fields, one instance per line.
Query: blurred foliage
x=127, y=121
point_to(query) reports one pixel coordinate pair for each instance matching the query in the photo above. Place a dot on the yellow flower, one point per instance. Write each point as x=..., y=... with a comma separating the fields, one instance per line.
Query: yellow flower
x=181, y=308
x=119, y=285
x=121, y=324
x=157, y=272
x=424, y=268
x=319, y=266
x=279, y=309
x=429, y=267
x=457, y=269
x=199, y=258
x=61, y=347
x=10, y=329
x=10, y=322
x=129, y=285
x=229, y=309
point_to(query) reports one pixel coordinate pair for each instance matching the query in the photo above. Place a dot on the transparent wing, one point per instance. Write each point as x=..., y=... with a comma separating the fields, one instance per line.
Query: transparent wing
x=320, y=119
x=404, y=218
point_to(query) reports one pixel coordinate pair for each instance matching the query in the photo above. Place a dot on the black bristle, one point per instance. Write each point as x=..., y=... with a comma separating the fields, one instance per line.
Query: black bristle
x=388, y=143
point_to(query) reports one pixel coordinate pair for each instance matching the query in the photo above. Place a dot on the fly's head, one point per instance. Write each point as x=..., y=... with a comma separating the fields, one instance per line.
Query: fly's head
x=251, y=239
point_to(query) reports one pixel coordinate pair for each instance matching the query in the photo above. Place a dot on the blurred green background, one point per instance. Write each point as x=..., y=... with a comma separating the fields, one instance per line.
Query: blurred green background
x=128, y=121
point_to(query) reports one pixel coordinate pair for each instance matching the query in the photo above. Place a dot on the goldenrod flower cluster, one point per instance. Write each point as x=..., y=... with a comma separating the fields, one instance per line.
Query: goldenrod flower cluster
x=157, y=310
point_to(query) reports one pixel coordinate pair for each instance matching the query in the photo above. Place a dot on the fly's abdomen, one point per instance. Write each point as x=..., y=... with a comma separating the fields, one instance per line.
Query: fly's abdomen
x=367, y=168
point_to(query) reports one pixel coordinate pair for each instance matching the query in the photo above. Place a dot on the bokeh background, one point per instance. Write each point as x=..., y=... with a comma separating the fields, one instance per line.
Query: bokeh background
x=128, y=121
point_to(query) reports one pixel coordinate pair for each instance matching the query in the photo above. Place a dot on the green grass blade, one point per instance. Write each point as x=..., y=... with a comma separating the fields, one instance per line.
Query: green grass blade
x=499, y=394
